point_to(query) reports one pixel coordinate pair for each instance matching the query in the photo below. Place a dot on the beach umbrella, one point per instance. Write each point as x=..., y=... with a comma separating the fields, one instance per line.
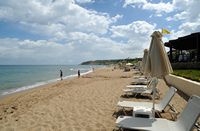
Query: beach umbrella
x=157, y=64
x=129, y=64
x=144, y=59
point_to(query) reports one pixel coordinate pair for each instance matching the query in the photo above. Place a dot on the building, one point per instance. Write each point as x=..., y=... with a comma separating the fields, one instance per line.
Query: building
x=185, y=49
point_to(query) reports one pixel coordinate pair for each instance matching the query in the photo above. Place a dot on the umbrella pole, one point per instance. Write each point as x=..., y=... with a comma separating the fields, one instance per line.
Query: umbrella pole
x=154, y=95
x=153, y=108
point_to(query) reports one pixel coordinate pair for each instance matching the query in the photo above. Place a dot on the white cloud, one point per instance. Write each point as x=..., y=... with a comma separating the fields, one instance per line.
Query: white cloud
x=134, y=2
x=190, y=26
x=188, y=15
x=137, y=34
x=135, y=29
x=186, y=10
x=63, y=16
x=81, y=47
x=85, y=1
x=159, y=15
x=82, y=32
x=117, y=17
x=15, y=51
x=177, y=17
x=160, y=7
x=85, y=34
x=98, y=47
x=180, y=9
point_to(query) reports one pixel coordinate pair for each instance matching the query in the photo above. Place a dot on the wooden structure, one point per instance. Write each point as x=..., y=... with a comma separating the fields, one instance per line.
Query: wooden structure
x=190, y=43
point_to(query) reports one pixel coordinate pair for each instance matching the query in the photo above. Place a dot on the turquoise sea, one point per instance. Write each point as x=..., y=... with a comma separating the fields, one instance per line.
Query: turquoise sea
x=15, y=78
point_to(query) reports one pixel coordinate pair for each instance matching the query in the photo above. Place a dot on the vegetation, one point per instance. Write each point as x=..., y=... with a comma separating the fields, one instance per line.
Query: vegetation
x=109, y=62
x=189, y=74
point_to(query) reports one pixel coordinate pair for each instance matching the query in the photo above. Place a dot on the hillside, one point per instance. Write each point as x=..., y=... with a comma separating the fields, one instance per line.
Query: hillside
x=109, y=62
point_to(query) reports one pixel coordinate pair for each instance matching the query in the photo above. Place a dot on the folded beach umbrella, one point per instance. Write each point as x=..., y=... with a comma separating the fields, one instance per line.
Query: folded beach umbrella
x=157, y=64
x=129, y=64
x=144, y=59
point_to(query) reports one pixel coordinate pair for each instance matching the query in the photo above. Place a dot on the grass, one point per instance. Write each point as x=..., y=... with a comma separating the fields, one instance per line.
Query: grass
x=189, y=74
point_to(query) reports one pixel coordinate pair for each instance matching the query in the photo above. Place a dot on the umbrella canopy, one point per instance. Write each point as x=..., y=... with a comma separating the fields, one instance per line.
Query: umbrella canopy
x=129, y=64
x=157, y=64
x=144, y=59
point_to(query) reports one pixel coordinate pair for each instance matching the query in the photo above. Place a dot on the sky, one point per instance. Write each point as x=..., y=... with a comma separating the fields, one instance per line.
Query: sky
x=54, y=32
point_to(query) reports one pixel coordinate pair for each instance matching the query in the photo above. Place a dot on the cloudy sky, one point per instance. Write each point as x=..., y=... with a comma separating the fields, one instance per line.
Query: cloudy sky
x=73, y=31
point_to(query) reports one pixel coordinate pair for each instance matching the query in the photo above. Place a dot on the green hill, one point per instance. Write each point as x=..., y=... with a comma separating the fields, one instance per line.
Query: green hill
x=109, y=62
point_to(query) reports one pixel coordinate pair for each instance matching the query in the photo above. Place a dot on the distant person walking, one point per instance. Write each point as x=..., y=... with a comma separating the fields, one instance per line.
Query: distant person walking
x=61, y=75
x=79, y=73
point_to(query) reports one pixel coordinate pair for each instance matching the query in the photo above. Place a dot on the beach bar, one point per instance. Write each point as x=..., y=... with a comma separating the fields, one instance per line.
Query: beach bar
x=185, y=49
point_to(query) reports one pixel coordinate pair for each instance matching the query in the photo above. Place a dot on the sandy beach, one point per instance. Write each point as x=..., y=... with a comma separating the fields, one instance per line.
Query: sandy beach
x=79, y=104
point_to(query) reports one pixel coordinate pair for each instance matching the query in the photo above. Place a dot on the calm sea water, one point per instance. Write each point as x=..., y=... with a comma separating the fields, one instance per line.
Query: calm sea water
x=14, y=78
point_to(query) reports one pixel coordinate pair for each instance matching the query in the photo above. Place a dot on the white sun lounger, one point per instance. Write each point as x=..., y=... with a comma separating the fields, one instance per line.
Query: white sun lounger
x=140, y=81
x=158, y=107
x=185, y=122
x=136, y=77
x=139, y=86
x=138, y=91
x=153, y=83
x=136, y=86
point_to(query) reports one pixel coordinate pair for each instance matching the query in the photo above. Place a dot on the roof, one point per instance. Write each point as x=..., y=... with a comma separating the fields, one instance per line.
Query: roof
x=188, y=42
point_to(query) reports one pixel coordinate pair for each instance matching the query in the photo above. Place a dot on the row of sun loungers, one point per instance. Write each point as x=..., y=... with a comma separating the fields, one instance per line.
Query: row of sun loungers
x=143, y=113
x=142, y=89
x=158, y=107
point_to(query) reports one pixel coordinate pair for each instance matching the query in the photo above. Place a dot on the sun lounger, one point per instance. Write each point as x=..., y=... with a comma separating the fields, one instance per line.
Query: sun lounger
x=136, y=77
x=139, y=90
x=143, y=81
x=139, y=86
x=136, y=86
x=158, y=107
x=185, y=122
x=132, y=86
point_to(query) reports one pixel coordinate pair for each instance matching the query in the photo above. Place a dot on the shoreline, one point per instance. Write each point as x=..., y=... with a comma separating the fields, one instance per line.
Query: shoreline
x=85, y=103
x=37, y=85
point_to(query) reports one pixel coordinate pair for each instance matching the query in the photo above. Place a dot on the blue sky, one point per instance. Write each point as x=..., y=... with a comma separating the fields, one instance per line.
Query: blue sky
x=73, y=31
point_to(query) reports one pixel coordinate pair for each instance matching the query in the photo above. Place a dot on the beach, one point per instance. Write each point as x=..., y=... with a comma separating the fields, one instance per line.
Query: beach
x=85, y=103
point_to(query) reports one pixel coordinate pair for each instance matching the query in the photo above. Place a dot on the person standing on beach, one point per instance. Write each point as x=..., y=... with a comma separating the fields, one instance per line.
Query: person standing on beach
x=79, y=73
x=61, y=75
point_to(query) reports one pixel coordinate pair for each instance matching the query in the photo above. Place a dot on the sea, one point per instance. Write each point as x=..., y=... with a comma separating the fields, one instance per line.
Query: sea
x=15, y=78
